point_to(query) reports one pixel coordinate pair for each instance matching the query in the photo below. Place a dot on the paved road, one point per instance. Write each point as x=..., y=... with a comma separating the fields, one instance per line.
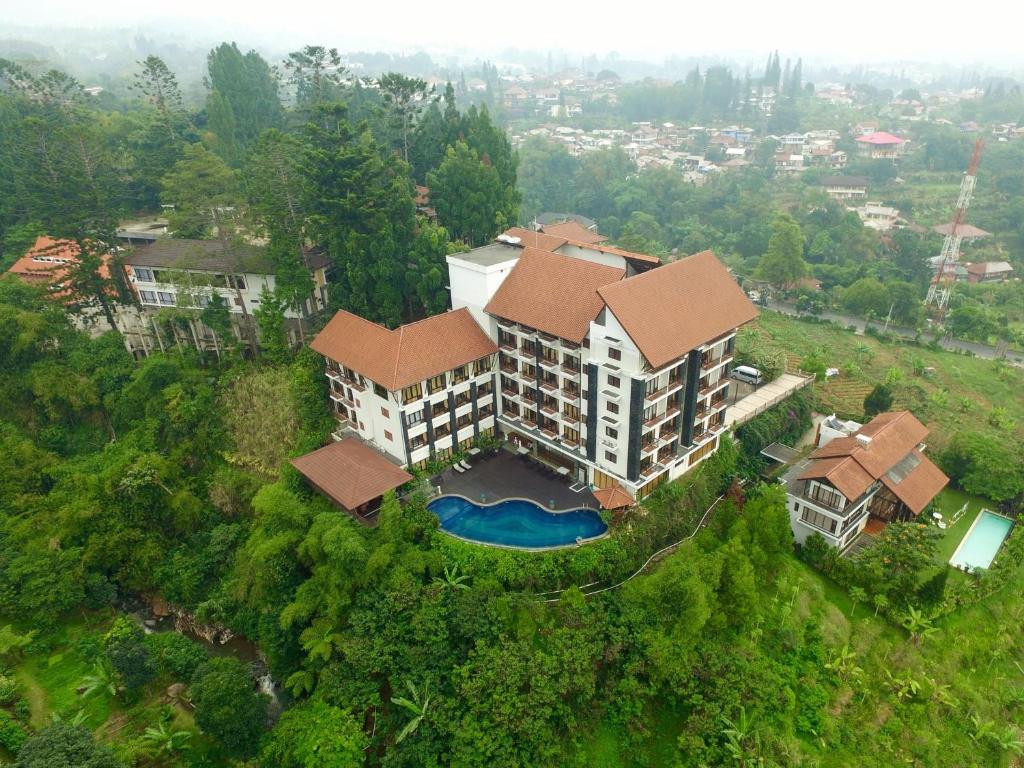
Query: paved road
x=981, y=350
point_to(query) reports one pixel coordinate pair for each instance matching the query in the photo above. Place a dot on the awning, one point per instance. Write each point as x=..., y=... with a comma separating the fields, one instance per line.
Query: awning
x=613, y=498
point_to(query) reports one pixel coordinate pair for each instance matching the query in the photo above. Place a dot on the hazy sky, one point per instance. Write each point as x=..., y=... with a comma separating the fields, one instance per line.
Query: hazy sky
x=851, y=31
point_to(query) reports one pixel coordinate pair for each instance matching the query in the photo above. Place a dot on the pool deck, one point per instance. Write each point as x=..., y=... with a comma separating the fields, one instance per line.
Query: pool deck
x=507, y=475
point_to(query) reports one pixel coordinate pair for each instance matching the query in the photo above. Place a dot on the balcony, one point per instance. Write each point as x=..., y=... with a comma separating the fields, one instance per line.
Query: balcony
x=668, y=389
x=709, y=364
x=510, y=415
x=667, y=436
x=707, y=389
x=653, y=469
x=568, y=419
x=507, y=347
x=548, y=337
x=549, y=386
x=547, y=362
x=570, y=370
x=571, y=394
x=509, y=392
x=510, y=368
x=648, y=446
x=549, y=432
x=507, y=325
x=530, y=422
x=670, y=413
x=549, y=408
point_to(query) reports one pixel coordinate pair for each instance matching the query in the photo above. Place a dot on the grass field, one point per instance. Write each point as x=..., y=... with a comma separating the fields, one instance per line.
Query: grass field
x=949, y=392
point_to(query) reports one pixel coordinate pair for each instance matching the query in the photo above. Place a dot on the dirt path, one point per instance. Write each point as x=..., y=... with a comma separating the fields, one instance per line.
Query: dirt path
x=35, y=694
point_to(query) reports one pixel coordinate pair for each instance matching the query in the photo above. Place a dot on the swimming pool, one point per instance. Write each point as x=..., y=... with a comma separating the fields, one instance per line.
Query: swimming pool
x=981, y=543
x=516, y=523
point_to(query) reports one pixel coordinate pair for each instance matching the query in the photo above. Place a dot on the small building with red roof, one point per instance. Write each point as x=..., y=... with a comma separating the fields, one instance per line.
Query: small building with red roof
x=880, y=145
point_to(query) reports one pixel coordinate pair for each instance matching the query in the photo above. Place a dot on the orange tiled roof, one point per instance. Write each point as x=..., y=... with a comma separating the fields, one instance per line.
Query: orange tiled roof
x=350, y=472
x=410, y=353
x=629, y=255
x=553, y=293
x=530, y=239
x=673, y=309
x=573, y=230
x=49, y=261
x=892, y=456
x=613, y=498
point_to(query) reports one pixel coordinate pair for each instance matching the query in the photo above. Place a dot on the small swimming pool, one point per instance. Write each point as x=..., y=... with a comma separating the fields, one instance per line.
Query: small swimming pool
x=516, y=523
x=981, y=543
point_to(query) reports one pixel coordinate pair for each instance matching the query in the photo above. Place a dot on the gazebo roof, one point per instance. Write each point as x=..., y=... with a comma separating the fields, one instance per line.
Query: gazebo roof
x=613, y=498
x=350, y=472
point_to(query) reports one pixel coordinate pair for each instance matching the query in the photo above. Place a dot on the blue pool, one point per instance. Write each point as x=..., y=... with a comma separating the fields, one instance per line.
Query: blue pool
x=516, y=523
x=984, y=538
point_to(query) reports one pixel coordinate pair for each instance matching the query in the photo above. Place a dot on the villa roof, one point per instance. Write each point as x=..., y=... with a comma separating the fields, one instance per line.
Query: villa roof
x=350, y=472
x=880, y=138
x=573, y=230
x=49, y=262
x=553, y=293
x=628, y=255
x=966, y=231
x=408, y=354
x=989, y=267
x=613, y=498
x=892, y=456
x=673, y=309
x=843, y=181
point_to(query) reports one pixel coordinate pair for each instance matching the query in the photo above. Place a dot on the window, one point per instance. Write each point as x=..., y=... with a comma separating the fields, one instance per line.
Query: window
x=612, y=407
x=609, y=456
x=460, y=374
x=418, y=441
x=143, y=273
x=167, y=299
x=818, y=520
x=614, y=354
x=380, y=391
x=825, y=495
x=571, y=412
x=387, y=436
x=484, y=389
x=411, y=419
x=437, y=383
x=650, y=412
x=411, y=393
x=385, y=413
x=236, y=281
x=612, y=433
x=203, y=301
x=614, y=381
x=570, y=435
x=148, y=297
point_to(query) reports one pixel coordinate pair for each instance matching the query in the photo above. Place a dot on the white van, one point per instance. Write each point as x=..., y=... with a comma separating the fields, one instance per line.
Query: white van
x=748, y=374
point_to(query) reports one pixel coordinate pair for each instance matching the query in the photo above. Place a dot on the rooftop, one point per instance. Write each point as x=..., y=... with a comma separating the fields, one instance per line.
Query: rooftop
x=880, y=138
x=553, y=293
x=673, y=309
x=48, y=262
x=843, y=181
x=350, y=472
x=490, y=254
x=408, y=354
x=966, y=231
x=572, y=230
x=202, y=255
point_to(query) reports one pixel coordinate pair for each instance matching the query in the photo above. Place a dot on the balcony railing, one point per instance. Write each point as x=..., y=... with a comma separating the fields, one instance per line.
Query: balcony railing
x=570, y=419
x=570, y=393
x=549, y=386
x=510, y=368
x=707, y=389
x=549, y=409
x=667, y=437
x=670, y=413
x=547, y=362
x=572, y=370
x=508, y=347
x=571, y=442
x=552, y=433
x=529, y=422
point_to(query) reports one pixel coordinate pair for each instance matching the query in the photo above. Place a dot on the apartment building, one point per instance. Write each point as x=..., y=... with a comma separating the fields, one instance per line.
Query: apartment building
x=845, y=187
x=608, y=364
x=173, y=272
x=419, y=392
x=878, y=472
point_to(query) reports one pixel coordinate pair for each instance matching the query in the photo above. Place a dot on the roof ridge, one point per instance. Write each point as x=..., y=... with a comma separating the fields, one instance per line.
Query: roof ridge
x=398, y=354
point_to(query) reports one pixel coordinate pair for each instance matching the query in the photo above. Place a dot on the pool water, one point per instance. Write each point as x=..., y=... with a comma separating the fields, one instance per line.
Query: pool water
x=985, y=537
x=516, y=523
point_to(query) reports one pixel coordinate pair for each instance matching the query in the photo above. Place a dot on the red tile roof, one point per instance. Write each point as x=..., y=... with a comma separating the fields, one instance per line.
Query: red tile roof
x=673, y=309
x=628, y=255
x=530, y=239
x=410, y=353
x=553, y=293
x=613, y=498
x=967, y=231
x=880, y=138
x=573, y=230
x=892, y=457
x=350, y=472
x=48, y=262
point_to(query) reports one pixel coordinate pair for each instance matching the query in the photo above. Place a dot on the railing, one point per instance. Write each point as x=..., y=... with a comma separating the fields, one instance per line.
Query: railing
x=509, y=392
x=547, y=362
x=671, y=412
x=549, y=409
x=510, y=368
x=570, y=419
x=570, y=369
x=548, y=386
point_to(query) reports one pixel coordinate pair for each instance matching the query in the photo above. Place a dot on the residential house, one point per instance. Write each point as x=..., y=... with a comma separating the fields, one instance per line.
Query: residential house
x=989, y=272
x=418, y=392
x=845, y=187
x=875, y=475
x=880, y=145
x=881, y=218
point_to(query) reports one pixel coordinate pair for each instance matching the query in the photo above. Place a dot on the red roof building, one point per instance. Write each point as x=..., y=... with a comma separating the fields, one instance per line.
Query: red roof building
x=880, y=145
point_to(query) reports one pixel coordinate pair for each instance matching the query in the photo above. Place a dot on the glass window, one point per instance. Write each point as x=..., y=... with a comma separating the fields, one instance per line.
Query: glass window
x=414, y=392
x=145, y=274
x=437, y=383
x=460, y=374
x=384, y=412
x=612, y=407
x=614, y=381
x=380, y=391
x=236, y=281
x=387, y=435
x=614, y=354
x=413, y=418
x=148, y=297
x=167, y=299
x=609, y=456
x=612, y=433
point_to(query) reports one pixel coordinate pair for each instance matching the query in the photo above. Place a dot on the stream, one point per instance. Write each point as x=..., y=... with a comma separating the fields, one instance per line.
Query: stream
x=159, y=616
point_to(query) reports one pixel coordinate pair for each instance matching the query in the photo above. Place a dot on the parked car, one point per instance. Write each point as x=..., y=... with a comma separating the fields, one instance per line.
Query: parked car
x=749, y=374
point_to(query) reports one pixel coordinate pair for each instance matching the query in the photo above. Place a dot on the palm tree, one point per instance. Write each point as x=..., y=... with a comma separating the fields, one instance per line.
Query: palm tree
x=452, y=579
x=300, y=682
x=843, y=664
x=162, y=740
x=320, y=640
x=857, y=595
x=737, y=735
x=417, y=705
x=78, y=719
x=881, y=602
x=103, y=678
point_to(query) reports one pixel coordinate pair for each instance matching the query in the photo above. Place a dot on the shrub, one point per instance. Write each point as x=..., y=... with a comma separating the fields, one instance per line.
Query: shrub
x=12, y=734
x=8, y=689
x=175, y=654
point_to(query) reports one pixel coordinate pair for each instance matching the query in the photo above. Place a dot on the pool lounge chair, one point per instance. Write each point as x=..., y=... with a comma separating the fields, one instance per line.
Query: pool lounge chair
x=464, y=464
x=458, y=468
